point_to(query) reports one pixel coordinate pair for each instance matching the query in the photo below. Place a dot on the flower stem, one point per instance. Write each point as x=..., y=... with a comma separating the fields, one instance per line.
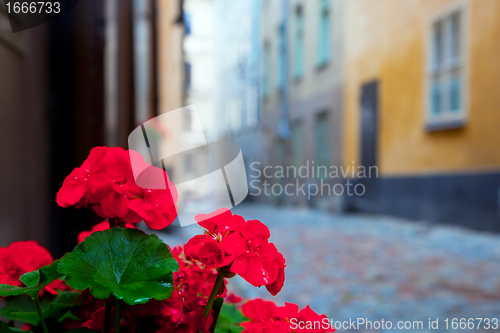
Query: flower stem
x=113, y=222
x=117, y=316
x=40, y=314
x=107, y=316
x=217, y=306
x=213, y=294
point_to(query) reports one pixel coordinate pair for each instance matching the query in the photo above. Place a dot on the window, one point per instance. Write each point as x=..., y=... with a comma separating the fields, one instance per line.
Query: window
x=267, y=69
x=281, y=57
x=298, y=59
x=322, y=147
x=324, y=33
x=187, y=76
x=187, y=23
x=297, y=143
x=445, y=82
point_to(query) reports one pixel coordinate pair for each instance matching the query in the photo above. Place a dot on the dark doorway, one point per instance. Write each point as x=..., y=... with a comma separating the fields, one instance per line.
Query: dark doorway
x=369, y=110
x=369, y=135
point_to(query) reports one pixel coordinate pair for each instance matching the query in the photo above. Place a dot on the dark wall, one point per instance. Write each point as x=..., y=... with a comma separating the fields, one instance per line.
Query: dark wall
x=76, y=111
x=52, y=113
x=23, y=137
x=470, y=200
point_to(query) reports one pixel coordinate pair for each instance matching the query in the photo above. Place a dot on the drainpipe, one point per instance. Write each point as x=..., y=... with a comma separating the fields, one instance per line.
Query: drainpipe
x=111, y=58
x=142, y=60
x=284, y=122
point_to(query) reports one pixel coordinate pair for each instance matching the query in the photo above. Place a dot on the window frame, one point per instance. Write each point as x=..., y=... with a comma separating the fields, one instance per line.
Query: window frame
x=299, y=33
x=281, y=71
x=324, y=9
x=448, y=119
x=267, y=65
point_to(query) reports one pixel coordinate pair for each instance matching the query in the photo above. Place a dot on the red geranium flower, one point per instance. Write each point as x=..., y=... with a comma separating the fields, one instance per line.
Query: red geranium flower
x=23, y=257
x=197, y=276
x=113, y=186
x=232, y=245
x=267, y=317
x=75, y=189
x=156, y=207
x=106, y=183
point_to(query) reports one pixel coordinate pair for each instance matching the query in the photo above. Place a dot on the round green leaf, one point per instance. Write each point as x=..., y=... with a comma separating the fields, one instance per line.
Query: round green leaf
x=125, y=262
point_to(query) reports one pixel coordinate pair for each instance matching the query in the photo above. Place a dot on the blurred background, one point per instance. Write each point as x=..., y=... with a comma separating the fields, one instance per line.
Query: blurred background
x=407, y=90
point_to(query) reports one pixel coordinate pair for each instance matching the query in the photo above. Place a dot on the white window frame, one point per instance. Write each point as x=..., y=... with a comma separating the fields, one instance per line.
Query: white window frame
x=457, y=119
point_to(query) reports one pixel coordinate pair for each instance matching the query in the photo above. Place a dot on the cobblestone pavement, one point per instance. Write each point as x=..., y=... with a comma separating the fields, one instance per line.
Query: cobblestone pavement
x=374, y=267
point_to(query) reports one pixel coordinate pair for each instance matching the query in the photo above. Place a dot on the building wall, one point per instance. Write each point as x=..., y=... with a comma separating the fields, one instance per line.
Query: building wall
x=301, y=100
x=171, y=70
x=321, y=88
x=24, y=170
x=442, y=175
x=51, y=115
x=237, y=45
x=198, y=53
x=388, y=42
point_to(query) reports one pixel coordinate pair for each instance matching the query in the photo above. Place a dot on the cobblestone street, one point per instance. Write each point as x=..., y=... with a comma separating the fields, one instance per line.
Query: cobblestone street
x=373, y=267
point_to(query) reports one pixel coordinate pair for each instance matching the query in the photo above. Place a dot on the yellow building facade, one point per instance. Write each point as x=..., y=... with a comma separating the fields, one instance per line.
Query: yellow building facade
x=436, y=64
x=387, y=40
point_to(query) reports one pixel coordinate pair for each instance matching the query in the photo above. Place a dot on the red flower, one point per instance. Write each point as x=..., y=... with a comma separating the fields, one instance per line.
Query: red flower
x=262, y=267
x=266, y=317
x=107, y=183
x=75, y=189
x=197, y=276
x=156, y=207
x=104, y=225
x=232, y=245
x=24, y=257
x=113, y=186
x=182, y=312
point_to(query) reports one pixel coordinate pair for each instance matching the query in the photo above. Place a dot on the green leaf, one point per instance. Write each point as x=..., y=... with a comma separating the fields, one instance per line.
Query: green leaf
x=4, y=328
x=30, y=279
x=230, y=319
x=35, y=281
x=125, y=262
x=22, y=308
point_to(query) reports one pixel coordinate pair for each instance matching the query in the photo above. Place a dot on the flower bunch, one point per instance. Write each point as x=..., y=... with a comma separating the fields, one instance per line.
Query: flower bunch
x=118, y=271
x=197, y=276
x=267, y=317
x=23, y=257
x=106, y=183
x=235, y=246
x=181, y=312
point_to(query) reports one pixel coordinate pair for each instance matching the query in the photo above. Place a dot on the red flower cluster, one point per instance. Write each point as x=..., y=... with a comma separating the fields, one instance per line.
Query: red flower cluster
x=267, y=317
x=194, y=274
x=182, y=312
x=90, y=314
x=105, y=181
x=24, y=257
x=235, y=246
